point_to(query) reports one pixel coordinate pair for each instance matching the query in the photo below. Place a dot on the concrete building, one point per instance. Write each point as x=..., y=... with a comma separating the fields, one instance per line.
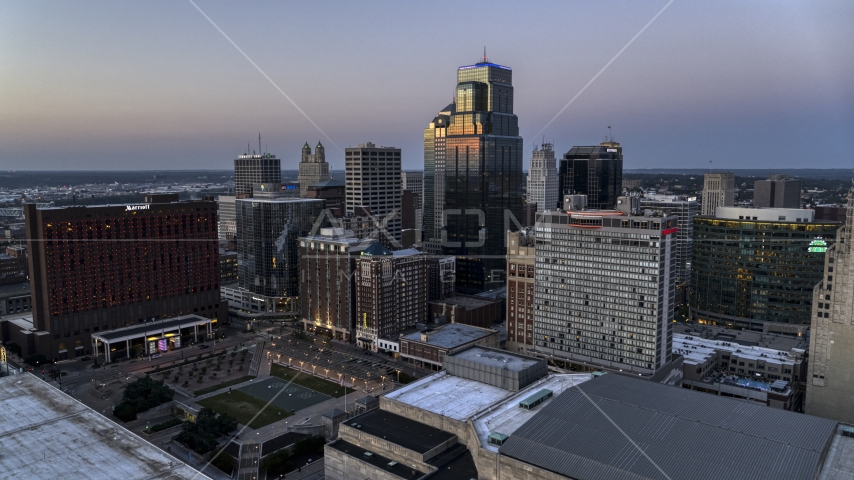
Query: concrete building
x=372, y=178
x=313, y=168
x=529, y=214
x=467, y=310
x=428, y=348
x=15, y=298
x=332, y=191
x=756, y=268
x=227, y=266
x=778, y=191
x=685, y=210
x=268, y=249
x=391, y=293
x=521, y=255
x=718, y=191
x=328, y=282
x=276, y=190
x=414, y=182
x=90, y=445
x=227, y=218
x=830, y=383
x=255, y=169
x=595, y=171
x=100, y=268
x=604, y=291
x=441, y=271
x=830, y=213
x=13, y=264
x=543, y=178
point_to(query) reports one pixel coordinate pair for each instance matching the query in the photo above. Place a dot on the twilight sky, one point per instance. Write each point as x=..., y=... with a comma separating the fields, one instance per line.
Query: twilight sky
x=153, y=85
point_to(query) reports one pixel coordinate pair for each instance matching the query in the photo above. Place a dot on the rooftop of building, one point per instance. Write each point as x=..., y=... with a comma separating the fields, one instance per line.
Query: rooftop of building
x=151, y=327
x=399, y=430
x=279, y=200
x=786, y=215
x=497, y=358
x=397, y=469
x=451, y=335
x=14, y=289
x=466, y=301
x=839, y=464
x=24, y=321
x=406, y=252
x=454, y=397
x=37, y=420
x=617, y=426
x=741, y=337
x=696, y=350
x=494, y=294
x=327, y=184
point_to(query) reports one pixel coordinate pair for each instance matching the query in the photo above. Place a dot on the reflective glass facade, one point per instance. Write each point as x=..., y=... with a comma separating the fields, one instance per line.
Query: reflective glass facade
x=746, y=273
x=482, y=174
x=593, y=171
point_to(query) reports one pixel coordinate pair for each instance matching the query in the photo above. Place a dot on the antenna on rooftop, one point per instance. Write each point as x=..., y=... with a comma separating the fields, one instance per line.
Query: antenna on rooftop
x=259, y=143
x=484, y=54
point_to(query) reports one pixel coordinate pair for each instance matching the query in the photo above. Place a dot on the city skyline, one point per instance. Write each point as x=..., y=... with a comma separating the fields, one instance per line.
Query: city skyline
x=135, y=87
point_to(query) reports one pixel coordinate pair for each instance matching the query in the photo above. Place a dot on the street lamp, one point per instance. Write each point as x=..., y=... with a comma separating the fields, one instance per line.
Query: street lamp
x=327, y=372
x=383, y=383
x=398, y=376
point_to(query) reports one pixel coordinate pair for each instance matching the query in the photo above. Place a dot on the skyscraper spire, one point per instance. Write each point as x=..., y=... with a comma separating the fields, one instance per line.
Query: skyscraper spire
x=484, y=54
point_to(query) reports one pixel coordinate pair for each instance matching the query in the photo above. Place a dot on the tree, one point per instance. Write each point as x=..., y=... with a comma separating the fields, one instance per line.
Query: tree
x=277, y=463
x=147, y=393
x=36, y=359
x=125, y=412
x=202, y=435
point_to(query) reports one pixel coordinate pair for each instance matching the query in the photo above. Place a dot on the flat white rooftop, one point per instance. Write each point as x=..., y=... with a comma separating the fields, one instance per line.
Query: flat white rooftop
x=507, y=416
x=454, y=397
x=695, y=350
x=47, y=434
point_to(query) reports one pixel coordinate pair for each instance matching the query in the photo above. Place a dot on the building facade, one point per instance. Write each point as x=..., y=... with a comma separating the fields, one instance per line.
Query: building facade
x=13, y=264
x=483, y=175
x=391, y=293
x=756, y=268
x=718, y=191
x=778, y=191
x=434, y=173
x=604, y=289
x=414, y=182
x=101, y=268
x=332, y=191
x=227, y=218
x=227, y=266
x=830, y=382
x=543, y=178
x=313, y=167
x=593, y=171
x=685, y=210
x=328, y=282
x=268, y=247
x=372, y=178
x=254, y=169
x=442, y=272
x=521, y=255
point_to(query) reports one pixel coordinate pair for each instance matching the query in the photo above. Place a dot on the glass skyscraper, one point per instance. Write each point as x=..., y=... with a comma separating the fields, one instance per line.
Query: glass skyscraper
x=593, y=171
x=479, y=159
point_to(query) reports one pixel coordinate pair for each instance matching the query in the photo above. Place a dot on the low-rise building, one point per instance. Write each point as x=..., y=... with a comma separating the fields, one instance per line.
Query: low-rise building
x=466, y=309
x=15, y=298
x=429, y=348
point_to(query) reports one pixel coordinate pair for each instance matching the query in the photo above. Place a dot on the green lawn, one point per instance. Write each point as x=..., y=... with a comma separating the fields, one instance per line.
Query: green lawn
x=223, y=385
x=243, y=407
x=309, y=381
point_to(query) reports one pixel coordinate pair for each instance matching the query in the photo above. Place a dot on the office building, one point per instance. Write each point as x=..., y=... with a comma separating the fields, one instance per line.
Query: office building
x=831, y=213
x=474, y=310
x=15, y=298
x=268, y=248
x=328, y=282
x=442, y=273
x=391, y=293
x=604, y=289
x=255, y=169
x=408, y=210
x=313, y=168
x=778, y=191
x=718, y=191
x=429, y=348
x=830, y=382
x=276, y=190
x=100, y=268
x=332, y=191
x=434, y=173
x=372, y=178
x=543, y=179
x=521, y=255
x=227, y=266
x=529, y=214
x=685, y=210
x=227, y=218
x=483, y=175
x=414, y=182
x=595, y=171
x=755, y=268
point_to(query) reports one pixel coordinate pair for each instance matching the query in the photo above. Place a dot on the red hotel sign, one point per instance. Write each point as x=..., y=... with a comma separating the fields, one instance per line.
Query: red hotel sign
x=669, y=231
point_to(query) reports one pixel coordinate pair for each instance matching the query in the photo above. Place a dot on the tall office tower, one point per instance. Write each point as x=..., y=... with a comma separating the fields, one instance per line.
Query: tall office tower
x=830, y=381
x=313, y=168
x=414, y=182
x=718, y=191
x=391, y=293
x=604, y=289
x=372, y=179
x=442, y=273
x=521, y=255
x=685, y=210
x=254, y=169
x=543, y=178
x=328, y=282
x=756, y=268
x=227, y=226
x=434, y=174
x=332, y=191
x=268, y=248
x=779, y=191
x=100, y=268
x=593, y=171
x=483, y=175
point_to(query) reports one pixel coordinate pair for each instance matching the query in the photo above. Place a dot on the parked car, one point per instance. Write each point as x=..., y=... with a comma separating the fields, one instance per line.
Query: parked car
x=85, y=359
x=156, y=355
x=203, y=346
